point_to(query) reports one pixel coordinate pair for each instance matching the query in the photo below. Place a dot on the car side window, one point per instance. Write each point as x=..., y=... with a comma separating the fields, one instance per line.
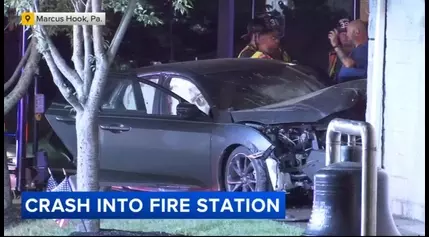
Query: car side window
x=110, y=92
x=152, y=95
x=129, y=98
x=143, y=97
x=125, y=98
x=148, y=97
x=148, y=93
x=189, y=91
x=119, y=97
x=140, y=92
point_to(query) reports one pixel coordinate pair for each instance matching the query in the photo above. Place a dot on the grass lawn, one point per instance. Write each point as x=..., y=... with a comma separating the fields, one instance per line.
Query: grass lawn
x=14, y=226
x=185, y=227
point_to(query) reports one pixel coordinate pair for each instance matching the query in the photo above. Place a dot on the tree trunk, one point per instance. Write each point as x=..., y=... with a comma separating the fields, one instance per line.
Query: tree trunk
x=87, y=159
x=31, y=64
x=7, y=188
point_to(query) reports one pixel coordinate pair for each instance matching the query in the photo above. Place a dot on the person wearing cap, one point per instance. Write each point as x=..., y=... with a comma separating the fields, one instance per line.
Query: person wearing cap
x=346, y=44
x=253, y=29
x=354, y=65
x=268, y=45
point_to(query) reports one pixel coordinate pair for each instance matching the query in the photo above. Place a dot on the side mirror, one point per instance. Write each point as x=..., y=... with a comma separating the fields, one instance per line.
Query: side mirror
x=187, y=110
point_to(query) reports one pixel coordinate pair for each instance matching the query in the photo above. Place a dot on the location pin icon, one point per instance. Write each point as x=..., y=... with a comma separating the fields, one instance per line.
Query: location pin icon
x=27, y=17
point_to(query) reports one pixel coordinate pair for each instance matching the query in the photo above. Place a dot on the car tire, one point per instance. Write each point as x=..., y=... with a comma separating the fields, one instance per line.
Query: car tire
x=255, y=180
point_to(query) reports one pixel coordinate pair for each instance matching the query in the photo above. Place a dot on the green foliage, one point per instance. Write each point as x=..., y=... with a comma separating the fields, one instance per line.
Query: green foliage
x=182, y=6
x=18, y=5
x=143, y=13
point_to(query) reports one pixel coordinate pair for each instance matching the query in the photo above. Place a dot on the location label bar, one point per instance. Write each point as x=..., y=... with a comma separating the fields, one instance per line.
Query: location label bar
x=63, y=18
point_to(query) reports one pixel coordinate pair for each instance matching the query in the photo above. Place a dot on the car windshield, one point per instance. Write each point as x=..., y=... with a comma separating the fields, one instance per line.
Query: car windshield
x=250, y=89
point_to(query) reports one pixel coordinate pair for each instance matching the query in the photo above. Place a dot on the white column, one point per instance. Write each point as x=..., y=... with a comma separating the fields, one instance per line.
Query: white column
x=376, y=77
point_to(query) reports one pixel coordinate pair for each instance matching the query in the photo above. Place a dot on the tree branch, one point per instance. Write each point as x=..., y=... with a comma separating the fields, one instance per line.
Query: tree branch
x=87, y=44
x=59, y=82
x=61, y=64
x=25, y=80
x=97, y=32
x=78, y=50
x=97, y=86
x=100, y=75
x=104, y=60
x=120, y=32
x=15, y=75
x=7, y=26
x=77, y=57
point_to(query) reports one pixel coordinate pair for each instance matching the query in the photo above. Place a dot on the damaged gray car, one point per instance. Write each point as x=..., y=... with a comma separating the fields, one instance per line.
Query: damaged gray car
x=238, y=125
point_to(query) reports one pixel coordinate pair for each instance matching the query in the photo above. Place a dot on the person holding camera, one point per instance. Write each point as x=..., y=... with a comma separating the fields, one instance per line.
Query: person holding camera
x=347, y=46
x=353, y=65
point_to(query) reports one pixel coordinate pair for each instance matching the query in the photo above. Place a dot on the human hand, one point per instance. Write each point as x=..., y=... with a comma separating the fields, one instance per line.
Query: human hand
x=333, y=37
x=255, y=38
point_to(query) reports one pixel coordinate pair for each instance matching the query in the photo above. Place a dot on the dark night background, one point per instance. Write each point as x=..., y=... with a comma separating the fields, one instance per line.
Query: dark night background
x=195, y=36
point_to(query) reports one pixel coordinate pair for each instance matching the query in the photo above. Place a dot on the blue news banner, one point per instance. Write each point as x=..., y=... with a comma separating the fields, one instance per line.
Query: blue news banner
x=153, y=205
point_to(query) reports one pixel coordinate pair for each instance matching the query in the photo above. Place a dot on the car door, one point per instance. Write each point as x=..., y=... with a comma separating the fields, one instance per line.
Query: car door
x=143, y=144
x=62, y=120
x=61, y=117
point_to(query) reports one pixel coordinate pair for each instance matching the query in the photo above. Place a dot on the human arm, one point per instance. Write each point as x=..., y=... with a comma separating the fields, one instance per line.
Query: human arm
x=346, y=60
x=359, y=70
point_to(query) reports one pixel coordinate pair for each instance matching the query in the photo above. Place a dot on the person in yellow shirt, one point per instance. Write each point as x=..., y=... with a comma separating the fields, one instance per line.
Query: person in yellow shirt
x=268, y=45
x=253, y=29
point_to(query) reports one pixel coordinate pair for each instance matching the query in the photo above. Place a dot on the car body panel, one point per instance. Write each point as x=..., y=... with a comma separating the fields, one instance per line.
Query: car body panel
x=157, y=150
x=63, y=122
x=309, y=108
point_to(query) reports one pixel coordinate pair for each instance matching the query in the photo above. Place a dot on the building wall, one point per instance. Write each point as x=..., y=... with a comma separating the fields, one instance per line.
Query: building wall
x=364, y=11
x=404, y=102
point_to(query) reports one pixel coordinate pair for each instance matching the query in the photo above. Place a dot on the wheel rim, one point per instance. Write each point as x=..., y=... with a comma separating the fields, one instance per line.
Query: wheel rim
x=241, y=174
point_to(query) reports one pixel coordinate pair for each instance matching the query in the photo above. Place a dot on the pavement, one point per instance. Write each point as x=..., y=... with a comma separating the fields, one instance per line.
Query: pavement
x=410, y=227
x=299, y=217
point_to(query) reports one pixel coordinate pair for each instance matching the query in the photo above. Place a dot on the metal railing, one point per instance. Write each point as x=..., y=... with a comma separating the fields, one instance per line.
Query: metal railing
x=352, y=128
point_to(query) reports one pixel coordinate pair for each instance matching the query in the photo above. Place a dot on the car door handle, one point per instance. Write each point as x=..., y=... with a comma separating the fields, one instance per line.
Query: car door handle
x=64, y=119
x=115, y=128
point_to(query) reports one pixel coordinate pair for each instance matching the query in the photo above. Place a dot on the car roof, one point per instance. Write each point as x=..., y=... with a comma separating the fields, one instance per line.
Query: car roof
x=200, y=68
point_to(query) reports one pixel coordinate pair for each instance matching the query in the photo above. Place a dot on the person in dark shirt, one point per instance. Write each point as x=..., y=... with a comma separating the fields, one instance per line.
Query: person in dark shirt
x=253, y=28
x=354, y=66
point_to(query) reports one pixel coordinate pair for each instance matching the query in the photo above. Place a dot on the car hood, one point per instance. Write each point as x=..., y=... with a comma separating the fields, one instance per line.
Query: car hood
x=309, y=108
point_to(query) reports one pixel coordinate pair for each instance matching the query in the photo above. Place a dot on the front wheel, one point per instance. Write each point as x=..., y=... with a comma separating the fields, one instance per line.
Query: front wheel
x=243, y=174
